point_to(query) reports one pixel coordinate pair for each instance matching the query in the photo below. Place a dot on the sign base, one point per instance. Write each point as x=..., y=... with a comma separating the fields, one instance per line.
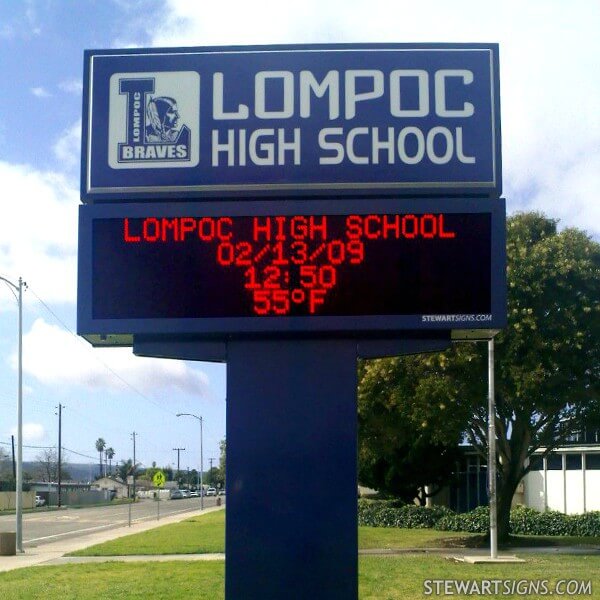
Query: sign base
x=291, y=520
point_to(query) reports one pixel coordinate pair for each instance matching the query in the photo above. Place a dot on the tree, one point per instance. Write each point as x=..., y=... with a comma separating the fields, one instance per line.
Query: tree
x=5, y=465
x=125, y=469
x=100, y=445
x=410, y=422
x=47, y=467
x=222, y=462
x=548, y=357
x=547, y=360
x=110, y=454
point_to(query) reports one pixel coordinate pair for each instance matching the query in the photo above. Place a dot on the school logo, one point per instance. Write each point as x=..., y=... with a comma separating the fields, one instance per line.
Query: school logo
x=154, y=120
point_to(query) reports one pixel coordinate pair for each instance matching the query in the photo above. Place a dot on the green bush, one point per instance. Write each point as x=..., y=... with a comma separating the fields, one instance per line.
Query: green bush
x=523, y=520
x=377, y=513
x=588, y=524
x=476, y=521
x=528, y=521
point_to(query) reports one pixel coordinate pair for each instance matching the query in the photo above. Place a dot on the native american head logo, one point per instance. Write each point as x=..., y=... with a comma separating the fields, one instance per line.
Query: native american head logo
x=153, y=120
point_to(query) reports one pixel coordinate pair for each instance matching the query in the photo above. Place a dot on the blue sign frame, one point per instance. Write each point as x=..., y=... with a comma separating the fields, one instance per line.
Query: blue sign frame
x=300, y=120
x=121, y=331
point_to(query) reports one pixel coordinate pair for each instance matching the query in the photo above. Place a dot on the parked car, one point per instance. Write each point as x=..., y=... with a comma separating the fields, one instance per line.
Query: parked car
x=186, y=493
x=211, y=491
x=176, y=494
x=221, y=492
x=39, y=501
x=194, y=494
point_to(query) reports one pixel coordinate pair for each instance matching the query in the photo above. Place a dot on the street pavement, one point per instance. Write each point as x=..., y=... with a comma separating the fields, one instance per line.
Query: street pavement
x=43, y=526
x=53, y=552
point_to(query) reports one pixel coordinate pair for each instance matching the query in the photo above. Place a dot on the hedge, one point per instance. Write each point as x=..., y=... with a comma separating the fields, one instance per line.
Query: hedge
x=523, y=520
x=528, y=521
x=386, y=514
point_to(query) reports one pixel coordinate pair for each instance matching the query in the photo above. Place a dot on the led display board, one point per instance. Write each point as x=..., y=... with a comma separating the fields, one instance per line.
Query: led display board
x=320, y=120
x=298, y=266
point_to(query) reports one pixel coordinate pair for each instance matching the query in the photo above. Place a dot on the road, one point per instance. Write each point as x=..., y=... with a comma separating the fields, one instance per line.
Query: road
x=44, y=526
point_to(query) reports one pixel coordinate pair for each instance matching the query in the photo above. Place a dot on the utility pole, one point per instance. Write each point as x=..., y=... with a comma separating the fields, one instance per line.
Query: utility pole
x=201, y=457
x=59, y=451
x=19, y=468
x=178, y=450
x=134, y=469
x=12, y=437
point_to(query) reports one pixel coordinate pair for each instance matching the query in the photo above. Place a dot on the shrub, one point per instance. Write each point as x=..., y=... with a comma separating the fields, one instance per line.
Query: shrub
x=528, y=521
x=588, y=524
x=390, y=514
x=476, y=521
x=523, y=520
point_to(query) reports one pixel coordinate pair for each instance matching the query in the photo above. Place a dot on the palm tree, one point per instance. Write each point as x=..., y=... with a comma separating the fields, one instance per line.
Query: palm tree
x=100, y=445
x=109, y=453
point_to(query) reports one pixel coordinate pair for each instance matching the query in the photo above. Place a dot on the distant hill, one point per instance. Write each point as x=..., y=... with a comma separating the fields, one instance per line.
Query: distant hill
x=78, y=471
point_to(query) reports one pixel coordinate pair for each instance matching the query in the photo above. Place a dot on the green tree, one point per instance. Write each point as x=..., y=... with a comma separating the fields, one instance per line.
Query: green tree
x=410, y=422
x=547, y=359
x=110, y=454
x=100, y=445
x=125, y=468
x=222, y=462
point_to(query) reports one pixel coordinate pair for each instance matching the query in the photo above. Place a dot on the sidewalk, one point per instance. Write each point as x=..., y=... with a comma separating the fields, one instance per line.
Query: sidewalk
x=53, y=553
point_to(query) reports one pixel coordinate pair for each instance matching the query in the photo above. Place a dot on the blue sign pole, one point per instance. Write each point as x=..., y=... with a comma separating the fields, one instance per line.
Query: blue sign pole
x=291, y=523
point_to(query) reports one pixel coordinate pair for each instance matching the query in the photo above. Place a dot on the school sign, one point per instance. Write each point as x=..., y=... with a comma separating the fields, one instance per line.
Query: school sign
x=332, y=120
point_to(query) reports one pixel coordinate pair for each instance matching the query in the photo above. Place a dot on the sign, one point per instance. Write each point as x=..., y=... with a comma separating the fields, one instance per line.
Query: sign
x=321, y=120
x=302, y=266
x=158, y=479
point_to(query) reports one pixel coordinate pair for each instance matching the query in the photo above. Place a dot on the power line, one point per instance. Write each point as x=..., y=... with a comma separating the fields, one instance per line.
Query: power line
x=106, y=366
x=26, y=446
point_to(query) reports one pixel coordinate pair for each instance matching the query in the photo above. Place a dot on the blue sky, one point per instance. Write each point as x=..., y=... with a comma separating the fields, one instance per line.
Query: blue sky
x=551, y=162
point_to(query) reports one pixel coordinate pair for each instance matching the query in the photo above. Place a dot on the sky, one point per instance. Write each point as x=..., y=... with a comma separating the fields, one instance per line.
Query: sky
x=550, y=95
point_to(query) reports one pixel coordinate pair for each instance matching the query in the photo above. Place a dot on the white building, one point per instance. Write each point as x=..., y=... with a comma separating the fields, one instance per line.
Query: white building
x=567, y=480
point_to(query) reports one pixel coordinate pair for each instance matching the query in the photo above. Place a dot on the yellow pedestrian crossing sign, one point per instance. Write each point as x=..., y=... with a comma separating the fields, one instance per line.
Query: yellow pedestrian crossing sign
x=159, y=479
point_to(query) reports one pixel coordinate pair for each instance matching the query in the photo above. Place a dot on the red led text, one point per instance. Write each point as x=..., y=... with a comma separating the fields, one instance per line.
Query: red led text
x=178, y=229
x=289, y=264
x=373, y=227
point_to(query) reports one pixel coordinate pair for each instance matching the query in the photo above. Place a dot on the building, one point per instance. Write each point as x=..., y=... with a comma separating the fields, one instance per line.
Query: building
x=567, y=480
x=112, y=484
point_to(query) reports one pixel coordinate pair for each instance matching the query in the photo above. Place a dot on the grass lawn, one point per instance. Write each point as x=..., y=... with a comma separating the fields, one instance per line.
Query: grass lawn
x=402, y=577
x=199, y=535
x=206, y=534
x=380, y=578
x=113, y=580
x=395, y=537
x=398, y=577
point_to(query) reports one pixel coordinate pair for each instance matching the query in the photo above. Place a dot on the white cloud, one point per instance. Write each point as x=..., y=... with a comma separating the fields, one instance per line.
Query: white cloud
x=68, y=147
x=71, y=86
x=38, y=232
x=40, y=92
x=55, y=357
x=548, y=55
x=32, y=432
